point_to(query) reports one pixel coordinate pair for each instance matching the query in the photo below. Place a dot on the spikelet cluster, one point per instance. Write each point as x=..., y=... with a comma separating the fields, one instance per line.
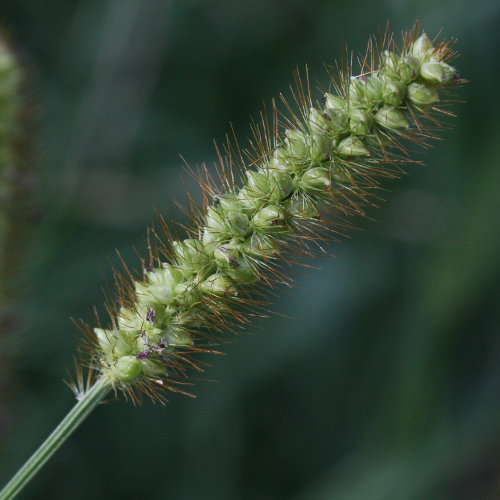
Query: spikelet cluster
x=266, y=202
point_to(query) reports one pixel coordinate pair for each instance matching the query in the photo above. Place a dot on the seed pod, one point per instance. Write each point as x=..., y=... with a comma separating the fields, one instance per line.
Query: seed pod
x=226, y=257
x=258, y=245
x=210, y=241
x=352, y=146
x=228, y=202
x=282, y=185
x=316, y=179
x=258, y=184
x=422, y=48
x=317, y=123
x=372, y=91
x=187, y=294
x=126, y=369
x=152, y=368
x=450, y=73
x=390, y=62
x=178, y=336
x=238, y=224
x=302, y=207
x=132, y=320
x=422, y=94
x=365, y=91
x=147, y=294
x=218, y=284
x=159, y=285
x=361, y=121
x=341, y=175
x=143, y=343
x=393, y=92
x=281, y=158
x=296, y=144
x=437, y=72
x=319, y=148
x=408, y=68
x=248, y=199
x=190, y=256
x=271, y=218
x=215, y=222
x=232, y=261
x=432, y=71
x=391, y=118
x=335, y=109
x=103, y=340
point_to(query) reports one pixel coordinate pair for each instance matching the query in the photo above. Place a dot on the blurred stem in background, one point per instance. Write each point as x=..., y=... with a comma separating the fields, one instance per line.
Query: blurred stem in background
x=17, y=208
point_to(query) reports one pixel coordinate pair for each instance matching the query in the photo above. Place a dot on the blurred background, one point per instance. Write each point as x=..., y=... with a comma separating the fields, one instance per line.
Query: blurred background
x=382, y=381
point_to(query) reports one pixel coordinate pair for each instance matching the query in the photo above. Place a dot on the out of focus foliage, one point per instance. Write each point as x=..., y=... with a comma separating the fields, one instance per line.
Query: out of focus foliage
x=379, y=378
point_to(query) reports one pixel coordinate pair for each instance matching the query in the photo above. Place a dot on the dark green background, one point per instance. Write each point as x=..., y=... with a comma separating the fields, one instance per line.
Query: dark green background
x=384, y=384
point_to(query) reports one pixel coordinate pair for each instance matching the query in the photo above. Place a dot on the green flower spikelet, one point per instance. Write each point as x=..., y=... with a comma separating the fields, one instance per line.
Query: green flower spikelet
x=316, y=156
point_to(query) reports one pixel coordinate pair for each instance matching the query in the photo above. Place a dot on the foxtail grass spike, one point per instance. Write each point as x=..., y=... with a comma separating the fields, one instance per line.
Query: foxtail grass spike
x=305, y=170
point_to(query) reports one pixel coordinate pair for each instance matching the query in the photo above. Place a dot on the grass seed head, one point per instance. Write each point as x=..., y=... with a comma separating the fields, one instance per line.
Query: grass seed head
x=305, y=170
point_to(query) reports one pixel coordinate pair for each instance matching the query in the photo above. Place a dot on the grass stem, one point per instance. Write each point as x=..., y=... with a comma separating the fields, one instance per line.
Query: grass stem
x=60, y=434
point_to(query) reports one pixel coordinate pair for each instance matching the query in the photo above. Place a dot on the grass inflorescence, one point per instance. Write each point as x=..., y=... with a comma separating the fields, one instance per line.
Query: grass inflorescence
x=309, y=166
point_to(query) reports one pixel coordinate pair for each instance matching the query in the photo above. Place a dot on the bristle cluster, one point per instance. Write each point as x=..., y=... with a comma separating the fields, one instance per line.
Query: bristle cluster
x=265, y=200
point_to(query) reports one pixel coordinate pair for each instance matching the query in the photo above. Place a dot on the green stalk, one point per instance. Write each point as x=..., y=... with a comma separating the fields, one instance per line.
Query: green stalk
x=62, y=432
